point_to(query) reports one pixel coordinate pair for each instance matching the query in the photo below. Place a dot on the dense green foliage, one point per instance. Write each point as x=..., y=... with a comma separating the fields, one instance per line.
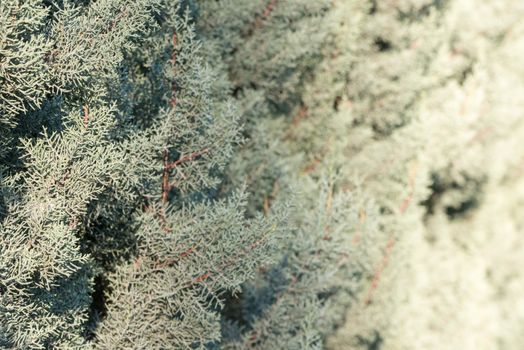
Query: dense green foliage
x=254, y=174
x=111, y=153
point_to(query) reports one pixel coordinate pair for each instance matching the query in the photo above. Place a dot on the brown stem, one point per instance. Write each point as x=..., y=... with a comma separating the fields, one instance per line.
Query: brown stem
x=117, y=18
x=378, y=273
x=297, y=119
x=262, y=18
x=86, y=115
x=186, y=158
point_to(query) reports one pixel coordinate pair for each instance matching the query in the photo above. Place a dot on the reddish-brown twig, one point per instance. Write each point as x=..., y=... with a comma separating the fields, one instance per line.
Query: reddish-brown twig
x=311, y=166
x=297, y=118
x=391, y=242
x=411, y=181
x=186, y=158
x=378, y=273
x=201, y=278
x=86, y=115
x=405, y=203
x=259, y=21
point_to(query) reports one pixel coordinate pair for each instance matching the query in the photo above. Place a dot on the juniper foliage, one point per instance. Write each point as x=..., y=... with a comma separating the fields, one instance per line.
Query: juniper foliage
x=354, y=113
x=150, y=149
x=116, y=131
